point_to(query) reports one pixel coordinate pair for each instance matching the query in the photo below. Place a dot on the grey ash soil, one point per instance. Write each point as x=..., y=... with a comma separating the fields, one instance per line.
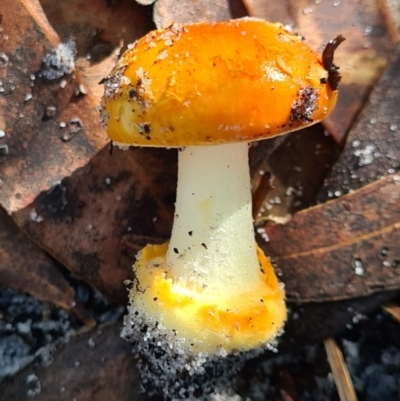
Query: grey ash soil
x=31, y=331
x=371, y=347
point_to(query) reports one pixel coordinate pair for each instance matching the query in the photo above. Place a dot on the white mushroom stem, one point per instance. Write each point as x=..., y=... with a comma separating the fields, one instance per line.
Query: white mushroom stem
x=212, y=242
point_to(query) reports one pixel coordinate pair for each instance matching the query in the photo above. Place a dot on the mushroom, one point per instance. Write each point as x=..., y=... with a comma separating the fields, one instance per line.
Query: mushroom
x=209, y=89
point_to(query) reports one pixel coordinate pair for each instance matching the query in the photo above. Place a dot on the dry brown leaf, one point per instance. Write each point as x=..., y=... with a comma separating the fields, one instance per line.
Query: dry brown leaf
x=314, y=322
x=298, y=168
x=319, y=22
x=274, y=11
x=96, y=26
x=373, y=146
x=96, y=219
x=361, y=57
x=98, y=366
x=167, y=12
x=36, y=156
x=40, y=154
x=92, y=74
x=393, y=310
x=105, y=208
x=342, y=249
x=26, y=268
x=391, y=11
x=99, y=29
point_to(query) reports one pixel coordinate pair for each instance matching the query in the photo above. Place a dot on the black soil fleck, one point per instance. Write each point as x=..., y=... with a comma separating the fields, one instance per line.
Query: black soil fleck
x=305, y=104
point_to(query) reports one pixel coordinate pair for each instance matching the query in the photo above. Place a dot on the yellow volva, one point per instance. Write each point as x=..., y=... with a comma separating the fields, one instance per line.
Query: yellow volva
x=211, y=290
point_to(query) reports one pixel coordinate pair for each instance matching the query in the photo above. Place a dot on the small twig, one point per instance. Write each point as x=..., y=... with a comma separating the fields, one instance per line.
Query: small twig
x=340, y=373
x=272, y=218
x=83, y=315
x=261, y=192
x=393, y=310
x=391, y=14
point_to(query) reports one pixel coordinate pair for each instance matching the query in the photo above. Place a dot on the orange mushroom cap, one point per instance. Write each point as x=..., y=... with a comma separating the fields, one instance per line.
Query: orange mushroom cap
x=200, y=84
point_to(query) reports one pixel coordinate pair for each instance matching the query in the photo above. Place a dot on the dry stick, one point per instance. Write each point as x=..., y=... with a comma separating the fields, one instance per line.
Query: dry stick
x=261, y=192
x=340, y=373
x=393, y=310
x=391, y=15
x=83, y=315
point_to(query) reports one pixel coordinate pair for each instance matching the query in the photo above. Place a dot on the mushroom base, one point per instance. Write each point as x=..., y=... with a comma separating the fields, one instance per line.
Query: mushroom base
x=201, y=321
x=168, y=373
x=191, y=342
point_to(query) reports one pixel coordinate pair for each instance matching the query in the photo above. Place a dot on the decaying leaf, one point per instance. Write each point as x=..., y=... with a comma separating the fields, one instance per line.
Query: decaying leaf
x=167, y=12
x=100, y=29
x=40, y=116
x=373, y=145
x=97, y=366
x=93, y=211
x=393, y=310
x=315, y=321
x=391, y=11
x=26, y=268
x=341, y=249
x=36, y=113
x=279, y=11
x=90, y=210
x=298, y=167
x=361, y=57
x=94, y=220
x=96, y=26
x=51, y=131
